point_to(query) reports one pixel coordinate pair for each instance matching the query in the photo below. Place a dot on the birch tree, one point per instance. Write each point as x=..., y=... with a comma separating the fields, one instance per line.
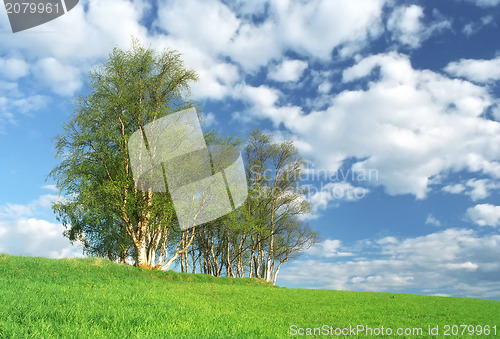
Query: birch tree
x=132, y=89
x=277, y=201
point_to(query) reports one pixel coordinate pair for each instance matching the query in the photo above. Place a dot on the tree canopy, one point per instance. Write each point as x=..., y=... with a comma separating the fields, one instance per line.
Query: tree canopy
x=132, y=89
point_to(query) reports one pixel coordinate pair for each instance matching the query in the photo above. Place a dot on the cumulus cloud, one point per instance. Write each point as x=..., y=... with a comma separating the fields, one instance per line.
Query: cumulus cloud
x=212, y=34
x=454, y=189
x=288, y=70
x=328, y=248
x=292, y=25
x=431, y=220
x=82, y=36
x=477, y=189
x=484, y=215
x=343, y=24
x=456, y=262
x=410, y=125
x=64, y=80
x=407, y=26
x=324, y=87
x=35, y=237
x=209, y=119
x=219, y=40
x=320, y=197
x=59, y=53
x=208, y=25
x=13, y=68
x=481, y=71
x=11, y=211
x=24, y=232
x=480, y=188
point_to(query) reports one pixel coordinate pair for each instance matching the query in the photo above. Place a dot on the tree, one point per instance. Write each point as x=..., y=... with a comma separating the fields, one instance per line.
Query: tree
x=276, y=203
x=105, y=209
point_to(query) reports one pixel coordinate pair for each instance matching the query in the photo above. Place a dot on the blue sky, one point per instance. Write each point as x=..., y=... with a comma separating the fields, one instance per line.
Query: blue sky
x=394, y=104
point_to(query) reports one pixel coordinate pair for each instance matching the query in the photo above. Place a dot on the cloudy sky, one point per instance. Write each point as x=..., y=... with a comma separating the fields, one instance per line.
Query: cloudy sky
x=394, y=104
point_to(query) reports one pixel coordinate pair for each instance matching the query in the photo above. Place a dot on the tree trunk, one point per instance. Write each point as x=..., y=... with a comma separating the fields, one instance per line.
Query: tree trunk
x=142, y=260
x=277, y=271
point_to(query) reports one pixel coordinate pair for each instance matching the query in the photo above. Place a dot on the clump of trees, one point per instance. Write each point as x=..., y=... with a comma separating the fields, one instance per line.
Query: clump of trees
x=112, y=218
x=266, y=232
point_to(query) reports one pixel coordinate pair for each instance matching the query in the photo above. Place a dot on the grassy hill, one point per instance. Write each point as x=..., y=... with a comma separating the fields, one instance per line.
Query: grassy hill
x=94, y=298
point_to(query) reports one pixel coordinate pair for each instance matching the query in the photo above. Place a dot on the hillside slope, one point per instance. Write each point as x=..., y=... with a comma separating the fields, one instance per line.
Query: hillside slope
x=94, y=298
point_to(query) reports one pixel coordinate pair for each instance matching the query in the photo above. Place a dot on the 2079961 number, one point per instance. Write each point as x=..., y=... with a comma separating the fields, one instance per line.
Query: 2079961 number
x=31, y=7
x=470, y=330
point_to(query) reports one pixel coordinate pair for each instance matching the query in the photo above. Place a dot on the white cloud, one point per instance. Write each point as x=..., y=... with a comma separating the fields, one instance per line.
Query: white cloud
x=216, y=80
x=64, y=80
x=6, y=117
x=454, y=189
x=81, y=37
x=480, y=188
x=325, y=87
x=13, y=68
x=317, y=27
x=485, y=215
x=474, y=27
x=23, y=232
x=312, y=29
x=410, y=125
x=386, y=241
x=63, y=50
x=35, y=237
x=11, y=107
x=477, y=189
x=51, y=187
x=209, y=119
x=320, y=197
x=32, y=209
x=219, y=40
x=431, y=220
x=200, y=41
x=254, y=47
x=263, y=100
x=193, y=21
x=440, y=262
x=208, y=32
x=407, y=26
x=328, y=248
x=288, y=70
x=482, y=71
x=59, y=53
x=30, y=104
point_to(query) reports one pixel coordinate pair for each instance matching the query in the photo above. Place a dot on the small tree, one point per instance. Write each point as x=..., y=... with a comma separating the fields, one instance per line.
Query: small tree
x=276, y=202
x=106, y=210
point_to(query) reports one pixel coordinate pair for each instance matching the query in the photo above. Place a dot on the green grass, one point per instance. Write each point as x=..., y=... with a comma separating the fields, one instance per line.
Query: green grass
x=94, y=298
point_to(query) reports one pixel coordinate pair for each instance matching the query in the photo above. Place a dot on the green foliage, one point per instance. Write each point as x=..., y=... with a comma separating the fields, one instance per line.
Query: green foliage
x=104, y=209
x=94, y=298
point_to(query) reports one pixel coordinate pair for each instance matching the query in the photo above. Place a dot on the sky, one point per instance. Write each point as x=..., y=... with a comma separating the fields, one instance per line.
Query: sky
x=395, y=105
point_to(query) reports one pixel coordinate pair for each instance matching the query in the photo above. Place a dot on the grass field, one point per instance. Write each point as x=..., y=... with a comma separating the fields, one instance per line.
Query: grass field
x=94, y=298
